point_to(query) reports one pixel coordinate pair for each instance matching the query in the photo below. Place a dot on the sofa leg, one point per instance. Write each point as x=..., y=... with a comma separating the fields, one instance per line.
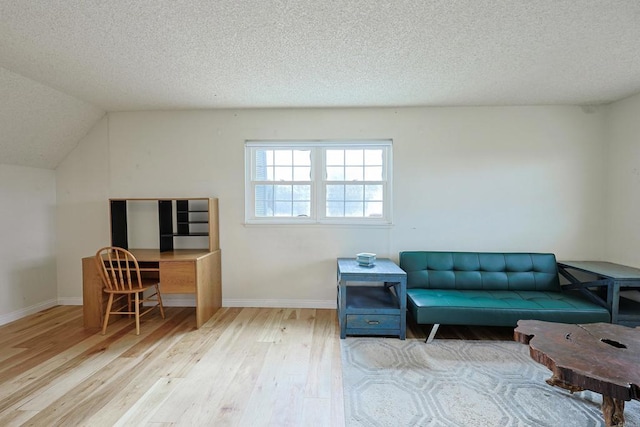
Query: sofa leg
x=432, y=334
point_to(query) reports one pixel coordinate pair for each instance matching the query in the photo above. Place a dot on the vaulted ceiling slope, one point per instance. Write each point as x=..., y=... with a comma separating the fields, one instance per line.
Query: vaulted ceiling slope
x=39, y=125
x=166, y=54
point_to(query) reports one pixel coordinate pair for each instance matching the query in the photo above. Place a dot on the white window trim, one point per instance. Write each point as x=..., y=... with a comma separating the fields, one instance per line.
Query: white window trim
x=318, y=211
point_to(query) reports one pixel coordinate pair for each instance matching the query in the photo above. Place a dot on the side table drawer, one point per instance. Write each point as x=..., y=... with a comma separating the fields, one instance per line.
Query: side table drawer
x=373, y=321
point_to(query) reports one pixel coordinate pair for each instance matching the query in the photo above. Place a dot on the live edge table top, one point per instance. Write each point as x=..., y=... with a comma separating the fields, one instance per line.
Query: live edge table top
x=601, y=357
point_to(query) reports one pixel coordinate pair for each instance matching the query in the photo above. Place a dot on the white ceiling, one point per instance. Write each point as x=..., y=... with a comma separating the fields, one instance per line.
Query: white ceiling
x=172, y=54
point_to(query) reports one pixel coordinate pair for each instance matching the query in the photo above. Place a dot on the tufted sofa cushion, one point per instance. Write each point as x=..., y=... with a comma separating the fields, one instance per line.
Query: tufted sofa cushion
x=495, y=289
x=477, y=270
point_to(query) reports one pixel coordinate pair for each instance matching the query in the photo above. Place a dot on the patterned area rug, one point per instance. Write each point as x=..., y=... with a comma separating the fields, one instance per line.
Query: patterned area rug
x=389, y=382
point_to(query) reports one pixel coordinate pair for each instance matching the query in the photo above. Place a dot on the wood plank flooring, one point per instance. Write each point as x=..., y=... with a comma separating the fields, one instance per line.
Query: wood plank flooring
x=245, y=367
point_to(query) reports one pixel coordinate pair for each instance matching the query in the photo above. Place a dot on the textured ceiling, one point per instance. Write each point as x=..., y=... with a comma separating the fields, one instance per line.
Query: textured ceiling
x=166, y=54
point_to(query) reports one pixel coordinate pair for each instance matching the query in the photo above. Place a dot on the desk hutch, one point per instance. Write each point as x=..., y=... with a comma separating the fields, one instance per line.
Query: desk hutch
x=179, y=271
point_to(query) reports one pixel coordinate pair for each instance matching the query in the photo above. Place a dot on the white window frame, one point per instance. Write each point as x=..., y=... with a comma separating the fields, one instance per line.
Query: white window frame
x=318, y=181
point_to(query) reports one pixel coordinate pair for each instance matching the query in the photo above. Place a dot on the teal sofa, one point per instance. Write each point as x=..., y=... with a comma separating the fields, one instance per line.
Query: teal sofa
x=493, y=289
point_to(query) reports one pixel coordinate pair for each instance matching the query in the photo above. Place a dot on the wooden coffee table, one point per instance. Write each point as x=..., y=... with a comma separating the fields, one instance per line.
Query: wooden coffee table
x=601, y=357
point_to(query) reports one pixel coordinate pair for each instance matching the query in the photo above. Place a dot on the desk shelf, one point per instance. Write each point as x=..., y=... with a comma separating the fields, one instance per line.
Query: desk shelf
x=177, y=218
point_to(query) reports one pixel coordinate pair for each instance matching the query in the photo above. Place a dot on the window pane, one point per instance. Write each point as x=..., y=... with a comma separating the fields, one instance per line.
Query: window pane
x=373, y=192
x=263, y=159
x=334, y=157
x=282, y=208
x=283, y=192
x=283, y=173
x=353, y=173
x=301, y=208
x=335, y=192
x=335, y=209
x=302, y=157
x=354, y=192
x=335, y=173
x=261, y=173
x=373, y=209
x=283, y=157
x=373, y=173
x=353, y=209
x=264, y=200
x=302, y=173
x=302, y=192
x=264, y=192
x=373, y=157
x=264, y=208
x=353, y=157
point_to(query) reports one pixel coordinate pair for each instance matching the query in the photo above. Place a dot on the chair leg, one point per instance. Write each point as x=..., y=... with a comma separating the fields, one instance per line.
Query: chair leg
x=137, y=313
x=160, y=301
x=129, y=305
x=106, y=315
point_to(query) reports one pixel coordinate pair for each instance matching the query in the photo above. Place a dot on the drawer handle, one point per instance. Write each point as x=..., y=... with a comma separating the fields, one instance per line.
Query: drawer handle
x=373, y=322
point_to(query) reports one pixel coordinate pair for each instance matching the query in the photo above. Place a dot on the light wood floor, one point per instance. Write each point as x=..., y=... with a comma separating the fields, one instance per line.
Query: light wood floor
x=245, y=367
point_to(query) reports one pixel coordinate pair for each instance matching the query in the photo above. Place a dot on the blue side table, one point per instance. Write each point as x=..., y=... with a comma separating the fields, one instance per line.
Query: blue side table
x=372, y=310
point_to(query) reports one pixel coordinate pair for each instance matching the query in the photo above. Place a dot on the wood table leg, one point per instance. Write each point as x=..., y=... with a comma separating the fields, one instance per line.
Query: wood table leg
x=613, y=411
x=555, y=381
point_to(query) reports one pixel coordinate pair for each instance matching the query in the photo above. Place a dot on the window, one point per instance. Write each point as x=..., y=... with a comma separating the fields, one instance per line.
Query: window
x=318, y=182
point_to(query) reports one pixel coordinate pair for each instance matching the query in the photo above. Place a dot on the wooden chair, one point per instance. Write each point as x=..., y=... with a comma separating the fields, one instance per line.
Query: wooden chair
x=121, y=277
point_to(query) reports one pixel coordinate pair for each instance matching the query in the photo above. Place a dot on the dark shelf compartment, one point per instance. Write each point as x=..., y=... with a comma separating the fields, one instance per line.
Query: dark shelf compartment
x=370, y=297
x=629, y=312
x=174, y=220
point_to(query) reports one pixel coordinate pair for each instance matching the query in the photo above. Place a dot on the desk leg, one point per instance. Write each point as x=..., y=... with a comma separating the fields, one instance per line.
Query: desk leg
x=92, y=295
x=208, y=287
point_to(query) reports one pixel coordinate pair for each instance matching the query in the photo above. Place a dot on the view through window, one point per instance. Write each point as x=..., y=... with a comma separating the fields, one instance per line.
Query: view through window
x=319, y=182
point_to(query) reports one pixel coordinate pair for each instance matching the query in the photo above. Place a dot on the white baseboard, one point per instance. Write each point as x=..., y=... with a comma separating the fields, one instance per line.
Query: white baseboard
x=279, y=303
x=189, y=301
x=178, y=301
x=70, y=301
x=24, y=312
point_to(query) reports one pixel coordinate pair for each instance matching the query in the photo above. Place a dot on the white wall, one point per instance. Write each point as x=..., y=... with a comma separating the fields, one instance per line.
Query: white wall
x=82, y=209
x=623, y=183
x=486, y=178
x=27, y=230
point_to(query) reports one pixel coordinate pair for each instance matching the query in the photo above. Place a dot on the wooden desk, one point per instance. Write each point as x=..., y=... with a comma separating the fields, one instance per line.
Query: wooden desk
x=182, y=271
x=614, y=277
